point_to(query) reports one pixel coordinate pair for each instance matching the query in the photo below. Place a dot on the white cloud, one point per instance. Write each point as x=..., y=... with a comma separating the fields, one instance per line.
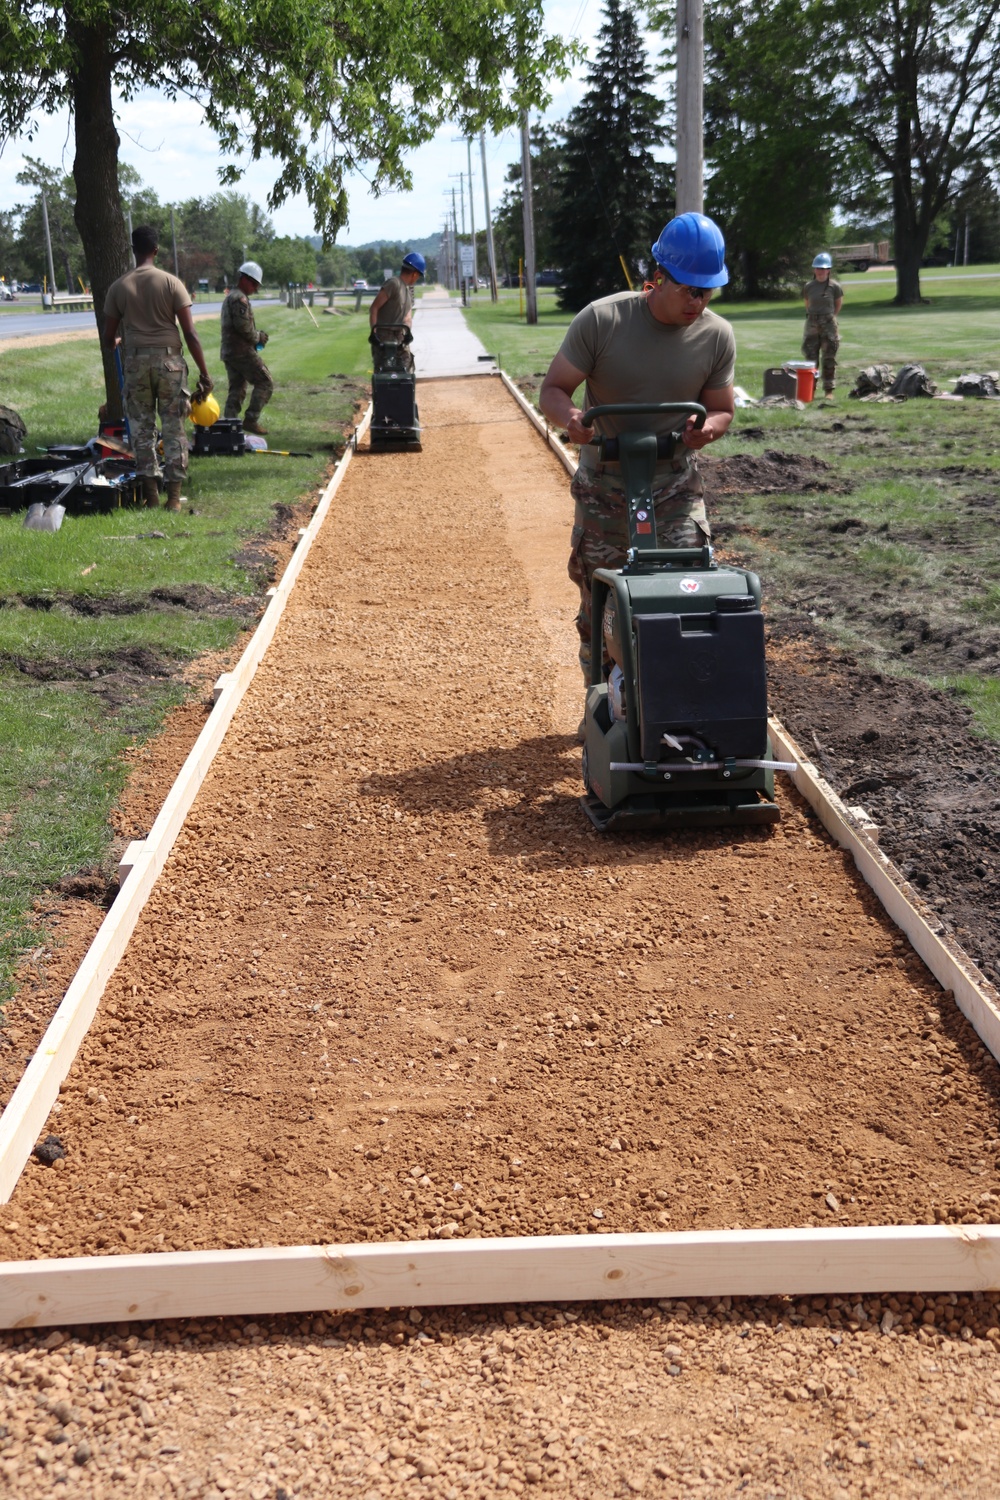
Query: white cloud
x=175, y=152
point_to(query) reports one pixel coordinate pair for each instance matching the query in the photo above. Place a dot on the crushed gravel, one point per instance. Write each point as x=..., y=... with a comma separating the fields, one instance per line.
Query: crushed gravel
x=392, y=985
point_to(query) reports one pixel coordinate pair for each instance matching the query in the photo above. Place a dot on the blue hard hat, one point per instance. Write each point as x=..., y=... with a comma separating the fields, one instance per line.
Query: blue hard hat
x=415, y=262
x=823, y=262
x=692, y=249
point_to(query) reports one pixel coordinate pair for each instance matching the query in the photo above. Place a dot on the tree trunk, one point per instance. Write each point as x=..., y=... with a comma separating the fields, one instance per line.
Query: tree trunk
x=98, y=210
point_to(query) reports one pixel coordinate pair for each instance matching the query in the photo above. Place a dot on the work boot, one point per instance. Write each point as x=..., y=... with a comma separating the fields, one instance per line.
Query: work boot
x=250, y=425
x=173, y=494
x=150, y=492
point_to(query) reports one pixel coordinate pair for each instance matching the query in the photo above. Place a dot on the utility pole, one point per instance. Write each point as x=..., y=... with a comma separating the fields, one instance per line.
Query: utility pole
x=490, y=252
x=472, y=224
x=173, y=236
x=48, y=247
x=690, y=105
x=528, y=209
x=454, y=241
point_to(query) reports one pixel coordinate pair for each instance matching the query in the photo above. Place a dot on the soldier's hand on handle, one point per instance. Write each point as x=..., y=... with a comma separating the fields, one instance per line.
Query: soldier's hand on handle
x=575, y=430
x=203, y=388
x=262, y=337
x=697, y=437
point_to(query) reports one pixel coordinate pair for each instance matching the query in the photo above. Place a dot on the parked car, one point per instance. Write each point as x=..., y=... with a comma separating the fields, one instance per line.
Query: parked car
x=6, y=292
x=548, y=278
x=360, y=285
x=32, y=286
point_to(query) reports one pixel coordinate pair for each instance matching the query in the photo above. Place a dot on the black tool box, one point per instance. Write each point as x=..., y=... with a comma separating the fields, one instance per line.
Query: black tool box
x=224, y=436
x=110, y=484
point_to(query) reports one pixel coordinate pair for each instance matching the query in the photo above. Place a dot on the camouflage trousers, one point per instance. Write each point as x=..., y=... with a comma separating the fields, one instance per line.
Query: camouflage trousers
x=156, y=381
x=822, y=334
x=399, y=357
x=600, y=530
x=244, y=370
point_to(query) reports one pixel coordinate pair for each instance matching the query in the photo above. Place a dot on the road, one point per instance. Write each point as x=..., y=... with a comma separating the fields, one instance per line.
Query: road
x=23, y=325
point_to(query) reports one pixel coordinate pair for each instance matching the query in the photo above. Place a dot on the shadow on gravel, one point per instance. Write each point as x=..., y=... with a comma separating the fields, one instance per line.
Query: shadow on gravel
x=540, y=816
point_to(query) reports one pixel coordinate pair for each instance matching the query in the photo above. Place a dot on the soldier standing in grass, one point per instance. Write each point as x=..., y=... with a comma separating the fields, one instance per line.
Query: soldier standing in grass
x=241, y=339
x=660, y=344
x=823, y=299
x=146, y=305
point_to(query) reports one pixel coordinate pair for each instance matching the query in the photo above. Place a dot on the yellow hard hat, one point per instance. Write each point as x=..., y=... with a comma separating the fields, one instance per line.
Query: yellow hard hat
x=205, y=412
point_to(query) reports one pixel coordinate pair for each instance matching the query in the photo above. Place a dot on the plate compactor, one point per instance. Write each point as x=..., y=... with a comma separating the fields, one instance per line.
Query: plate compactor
x=676, y=721
x=395, y=419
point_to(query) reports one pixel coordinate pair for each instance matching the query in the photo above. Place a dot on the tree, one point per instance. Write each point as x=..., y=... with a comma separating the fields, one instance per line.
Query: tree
x=920, y=82
x=216, y=235
x=613, y=196
x=508, y=222
x=67, y=251
x=322, y=87
x=288, y=259
x=772, y=178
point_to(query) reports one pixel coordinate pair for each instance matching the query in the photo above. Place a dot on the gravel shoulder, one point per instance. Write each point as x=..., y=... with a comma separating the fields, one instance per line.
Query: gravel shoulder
x=393, y=985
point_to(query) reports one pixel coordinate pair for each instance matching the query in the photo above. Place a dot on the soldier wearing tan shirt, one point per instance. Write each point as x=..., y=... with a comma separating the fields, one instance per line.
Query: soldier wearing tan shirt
x=660, y=344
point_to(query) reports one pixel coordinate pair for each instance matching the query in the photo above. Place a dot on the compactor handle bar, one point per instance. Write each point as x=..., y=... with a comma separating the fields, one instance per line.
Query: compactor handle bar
x=666, y=441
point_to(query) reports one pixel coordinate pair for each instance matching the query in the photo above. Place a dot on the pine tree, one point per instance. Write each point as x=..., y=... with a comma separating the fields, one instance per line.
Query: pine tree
x=613, y=196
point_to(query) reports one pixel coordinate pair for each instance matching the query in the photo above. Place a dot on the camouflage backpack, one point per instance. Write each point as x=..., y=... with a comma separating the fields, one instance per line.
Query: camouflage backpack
x=12, y=430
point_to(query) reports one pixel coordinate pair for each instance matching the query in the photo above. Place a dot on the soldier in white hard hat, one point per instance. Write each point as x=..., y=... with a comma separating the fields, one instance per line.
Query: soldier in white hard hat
x=241, y=342
x=823, y=297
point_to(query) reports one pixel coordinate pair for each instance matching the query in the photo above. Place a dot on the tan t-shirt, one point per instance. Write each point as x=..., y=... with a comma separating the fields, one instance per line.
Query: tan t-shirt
x=628, y=355
x=822, y=297
x=147, y=300
x=398, y=302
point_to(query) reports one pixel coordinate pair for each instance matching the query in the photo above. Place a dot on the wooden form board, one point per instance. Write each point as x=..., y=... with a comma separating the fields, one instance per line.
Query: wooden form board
x=953, y=969
x=894, y=1258
x=557, y=1268
x=29, y=1106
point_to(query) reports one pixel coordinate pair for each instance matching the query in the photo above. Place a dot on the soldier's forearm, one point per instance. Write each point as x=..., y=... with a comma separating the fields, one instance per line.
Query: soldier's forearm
x=197, y=352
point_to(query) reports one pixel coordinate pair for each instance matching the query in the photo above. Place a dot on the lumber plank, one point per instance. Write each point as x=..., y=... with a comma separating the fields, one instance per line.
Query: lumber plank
x=560, y=1268
x=29, y=1106
x=954, y=970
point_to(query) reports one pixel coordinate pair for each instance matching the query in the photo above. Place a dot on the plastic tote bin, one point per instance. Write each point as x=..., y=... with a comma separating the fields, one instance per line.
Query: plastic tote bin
x=805, y=378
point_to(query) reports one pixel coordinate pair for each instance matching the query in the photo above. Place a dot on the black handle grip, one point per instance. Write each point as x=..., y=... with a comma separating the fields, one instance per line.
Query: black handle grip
x=645, y=409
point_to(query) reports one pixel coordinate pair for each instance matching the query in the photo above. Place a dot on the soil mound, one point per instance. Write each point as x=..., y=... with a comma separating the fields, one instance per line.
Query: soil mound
x=773, y=473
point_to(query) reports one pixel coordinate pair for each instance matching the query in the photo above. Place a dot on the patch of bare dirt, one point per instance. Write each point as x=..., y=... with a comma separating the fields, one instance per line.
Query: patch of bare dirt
x=909, y=755
x=772, y=473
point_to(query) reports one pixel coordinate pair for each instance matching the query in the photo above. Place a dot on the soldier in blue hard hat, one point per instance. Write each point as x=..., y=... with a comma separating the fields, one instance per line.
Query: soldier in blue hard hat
x=660, y=344
x=823, y=298
x=392, y=307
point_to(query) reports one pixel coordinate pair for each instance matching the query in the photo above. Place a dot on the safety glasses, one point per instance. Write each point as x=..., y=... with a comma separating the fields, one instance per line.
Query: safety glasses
x=698, y=293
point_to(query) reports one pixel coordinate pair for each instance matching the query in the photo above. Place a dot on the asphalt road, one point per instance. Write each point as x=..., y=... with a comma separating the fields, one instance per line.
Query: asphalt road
x=18, y=325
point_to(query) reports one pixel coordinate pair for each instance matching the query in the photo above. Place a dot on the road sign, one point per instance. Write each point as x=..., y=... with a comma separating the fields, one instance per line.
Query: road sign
x=468, y=262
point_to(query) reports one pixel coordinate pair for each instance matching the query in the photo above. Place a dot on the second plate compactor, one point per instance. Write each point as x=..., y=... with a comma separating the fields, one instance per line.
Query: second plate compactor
x=676, y=718
x=395, y=419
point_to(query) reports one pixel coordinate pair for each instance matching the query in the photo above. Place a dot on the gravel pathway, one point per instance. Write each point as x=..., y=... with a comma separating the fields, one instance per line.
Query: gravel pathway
x=391, y=984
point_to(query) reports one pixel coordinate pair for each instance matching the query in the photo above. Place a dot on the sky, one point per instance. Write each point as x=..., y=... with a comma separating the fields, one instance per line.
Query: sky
x=175, y=154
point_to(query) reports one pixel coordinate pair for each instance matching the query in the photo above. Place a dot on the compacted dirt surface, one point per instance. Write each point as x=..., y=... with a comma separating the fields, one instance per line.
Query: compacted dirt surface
x=392, y=985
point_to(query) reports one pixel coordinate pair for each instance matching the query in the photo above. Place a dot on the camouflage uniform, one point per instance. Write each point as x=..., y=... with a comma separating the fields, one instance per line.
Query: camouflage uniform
x=600, y=527
x=156, y=380
x=821, y=331
x=244, y=365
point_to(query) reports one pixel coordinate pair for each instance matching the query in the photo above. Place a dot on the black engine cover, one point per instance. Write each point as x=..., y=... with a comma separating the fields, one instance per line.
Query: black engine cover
x=702, y=675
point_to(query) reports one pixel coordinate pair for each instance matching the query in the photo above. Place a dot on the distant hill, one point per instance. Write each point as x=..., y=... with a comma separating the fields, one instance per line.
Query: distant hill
x=429, y=245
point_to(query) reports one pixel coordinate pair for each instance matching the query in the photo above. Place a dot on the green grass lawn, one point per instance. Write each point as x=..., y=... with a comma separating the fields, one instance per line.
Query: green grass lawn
x=98, y=619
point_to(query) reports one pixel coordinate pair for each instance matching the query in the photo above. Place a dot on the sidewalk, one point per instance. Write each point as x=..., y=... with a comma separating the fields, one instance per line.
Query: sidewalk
x=442, y=342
